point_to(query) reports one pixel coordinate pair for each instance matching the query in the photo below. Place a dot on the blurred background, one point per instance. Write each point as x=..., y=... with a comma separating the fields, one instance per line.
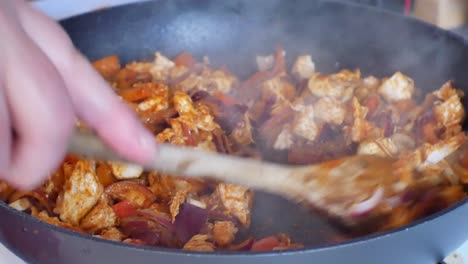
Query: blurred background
x=448, y=14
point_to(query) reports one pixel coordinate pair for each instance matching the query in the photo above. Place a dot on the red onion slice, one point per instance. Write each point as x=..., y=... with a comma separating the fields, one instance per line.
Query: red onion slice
x=366, y=206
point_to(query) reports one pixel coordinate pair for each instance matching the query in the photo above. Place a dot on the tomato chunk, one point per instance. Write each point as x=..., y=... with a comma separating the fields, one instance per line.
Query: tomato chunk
x=124, y=209
x=265, y=244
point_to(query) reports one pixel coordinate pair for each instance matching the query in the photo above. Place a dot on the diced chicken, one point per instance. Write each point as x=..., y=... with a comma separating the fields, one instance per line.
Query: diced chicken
x=178, y=71
x=446, y=91
x=112, y=234
x=161, y=67
x=204, y=119
x=81, y=192
x=371, y=82
x=224, y=232
x=284, y=139
x=199, y=243
x=237, y=200
x=265, y=62
x=304, y=125
x=183, y=103
x=123, y=171
x=369, y=85
x=362, y=129
x=22, y=204
x=339, y=86
x=158, y=101
x=190, y=83
x=174, y=134
x=44, y=216
x=449, y=113
x=281, y=90
x=396, y=88
x=101, y=217
x=176, y=201
x=304, y=67
x=219, y=81
x=242, y=133
x=165, y=186
x=330, y=111
x=383, y=147
x=435, y=153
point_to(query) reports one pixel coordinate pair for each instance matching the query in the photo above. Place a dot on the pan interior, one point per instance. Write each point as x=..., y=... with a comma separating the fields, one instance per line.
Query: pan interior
x=232, y=33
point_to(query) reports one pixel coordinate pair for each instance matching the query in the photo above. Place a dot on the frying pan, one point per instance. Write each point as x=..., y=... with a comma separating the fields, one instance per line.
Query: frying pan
x=231, y=33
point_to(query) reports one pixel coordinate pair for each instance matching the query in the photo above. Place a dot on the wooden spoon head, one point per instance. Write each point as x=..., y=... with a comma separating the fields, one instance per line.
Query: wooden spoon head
x=349, y=188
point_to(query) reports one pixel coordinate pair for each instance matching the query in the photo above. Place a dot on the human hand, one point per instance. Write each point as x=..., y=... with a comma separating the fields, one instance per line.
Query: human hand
x=45, y=85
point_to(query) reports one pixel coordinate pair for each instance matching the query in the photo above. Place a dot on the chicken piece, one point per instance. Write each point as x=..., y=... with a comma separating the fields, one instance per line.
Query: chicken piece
x=237, y=200
x=281, y=90
x=183, y=103
x=265, y=62
x=176, y=201
x=199, y=243
x=433, y=154
x=218, y=81
x=190, y=83
x=165, y=186
x=205, y=120
x=447, y=91
x=303, y=67
x=101, y=217
x=81, y=192
x=396, y=88
x=383, y=147
x=159, y=99
x=44, y=216
x=173, y=135
x=362, y=129
x=304, y=125
x=449, y=113
x=369, y=86
x=209, y=81
x=330, y=111
x=137, y=194
x=284, y=139
x=179, y=71
x=339, y=85
x=113, y=234
x=159, y=68
x=123, y=171
x=242, y=133
x=224, y=232
x=22, y=204
x=54, y=185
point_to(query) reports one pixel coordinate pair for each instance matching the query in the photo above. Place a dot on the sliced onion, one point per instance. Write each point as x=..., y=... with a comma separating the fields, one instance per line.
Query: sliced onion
x=366, y=206
x=137, y=194
x=189, y=221
x=160, y=218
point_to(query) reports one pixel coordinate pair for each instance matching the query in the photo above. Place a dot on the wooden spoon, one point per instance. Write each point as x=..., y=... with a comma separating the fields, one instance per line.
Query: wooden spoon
x=343, y=188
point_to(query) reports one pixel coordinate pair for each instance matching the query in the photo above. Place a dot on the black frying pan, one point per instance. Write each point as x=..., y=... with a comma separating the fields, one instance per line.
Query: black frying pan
x=231, y=33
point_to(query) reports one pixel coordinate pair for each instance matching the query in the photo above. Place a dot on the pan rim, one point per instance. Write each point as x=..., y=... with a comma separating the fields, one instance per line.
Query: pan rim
x=305, y=250
x=173, y=251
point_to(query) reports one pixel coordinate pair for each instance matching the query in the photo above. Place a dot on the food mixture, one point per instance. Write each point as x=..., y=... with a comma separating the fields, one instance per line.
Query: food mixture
x=291, y=115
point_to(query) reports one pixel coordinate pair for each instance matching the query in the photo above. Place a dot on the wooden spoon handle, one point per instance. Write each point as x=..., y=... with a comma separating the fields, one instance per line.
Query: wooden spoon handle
x=190, y=162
